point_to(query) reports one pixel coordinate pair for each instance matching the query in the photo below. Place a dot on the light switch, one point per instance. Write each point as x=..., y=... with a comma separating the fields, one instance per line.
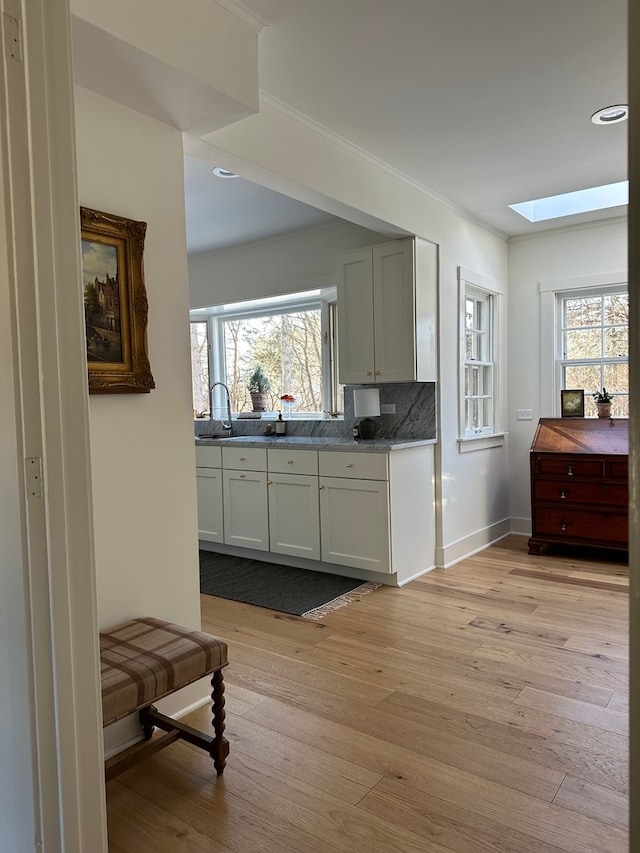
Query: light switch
x=524, y=414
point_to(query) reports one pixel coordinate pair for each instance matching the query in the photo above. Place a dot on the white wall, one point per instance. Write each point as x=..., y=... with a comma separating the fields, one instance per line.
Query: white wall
x=303, y=260
x=142, y=452
x=291, y=157
x=560, y=254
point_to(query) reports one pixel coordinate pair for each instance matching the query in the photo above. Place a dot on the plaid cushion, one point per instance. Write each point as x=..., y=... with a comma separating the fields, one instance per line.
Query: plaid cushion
x=145, y=659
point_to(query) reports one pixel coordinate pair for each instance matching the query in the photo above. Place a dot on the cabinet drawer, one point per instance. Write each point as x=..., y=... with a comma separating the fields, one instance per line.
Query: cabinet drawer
x=572, y=492
x=358, y=465
x=571, y=524
x=618, y=469
x=244, y=458
x=566, y=466
x=286, y=461
x=208, y=457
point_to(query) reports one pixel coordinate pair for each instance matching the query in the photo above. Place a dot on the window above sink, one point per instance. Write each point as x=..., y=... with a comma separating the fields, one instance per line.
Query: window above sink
x=292, y=338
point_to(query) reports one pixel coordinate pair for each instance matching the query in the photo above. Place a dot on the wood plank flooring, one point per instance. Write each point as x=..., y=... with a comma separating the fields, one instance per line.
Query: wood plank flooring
x=479, y=709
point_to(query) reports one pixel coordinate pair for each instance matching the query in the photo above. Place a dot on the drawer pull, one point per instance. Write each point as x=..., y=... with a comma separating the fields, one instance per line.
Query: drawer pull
x=570, y=471
x=562, y=495
x=377, y=373
x=349, y=464
x=243, y=458
x=563, y=525
x=242, y=476
x=321, y=487
x=269, y=482
x=289, y=461
x=369, y=373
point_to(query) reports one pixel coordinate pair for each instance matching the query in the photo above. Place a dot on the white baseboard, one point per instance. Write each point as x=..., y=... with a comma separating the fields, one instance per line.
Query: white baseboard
x=521, y=526
x=449, y=555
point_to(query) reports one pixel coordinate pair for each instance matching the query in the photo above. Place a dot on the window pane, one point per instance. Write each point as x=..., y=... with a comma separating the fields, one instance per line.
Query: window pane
x=583, y=312
x=468, y=354
x=200, y=369
x=616, y=309
x=585, y=376
x=586, y=343
x=616, y=342
x=288, y=348
x=616, y=377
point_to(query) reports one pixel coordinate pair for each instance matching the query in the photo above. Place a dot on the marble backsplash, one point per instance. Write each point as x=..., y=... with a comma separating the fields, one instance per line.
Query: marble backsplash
x=415, y=416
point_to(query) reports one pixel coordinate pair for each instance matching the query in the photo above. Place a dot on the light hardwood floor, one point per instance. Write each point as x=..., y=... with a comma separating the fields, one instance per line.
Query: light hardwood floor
x=479, y=709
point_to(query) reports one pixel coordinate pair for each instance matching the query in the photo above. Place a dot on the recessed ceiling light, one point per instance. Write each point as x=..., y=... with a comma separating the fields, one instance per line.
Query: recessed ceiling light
x=219, y=172
x=611, y=115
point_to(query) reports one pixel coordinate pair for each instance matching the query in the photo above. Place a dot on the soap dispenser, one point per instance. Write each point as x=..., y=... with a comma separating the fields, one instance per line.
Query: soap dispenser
x=281, y=425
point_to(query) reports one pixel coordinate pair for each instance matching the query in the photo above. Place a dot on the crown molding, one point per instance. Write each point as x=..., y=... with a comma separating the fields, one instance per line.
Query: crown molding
x=274, y=103
x=240, y=11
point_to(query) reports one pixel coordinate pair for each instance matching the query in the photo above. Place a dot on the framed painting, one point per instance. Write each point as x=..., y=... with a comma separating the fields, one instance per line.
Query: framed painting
x=115, y=303
x=572, y=403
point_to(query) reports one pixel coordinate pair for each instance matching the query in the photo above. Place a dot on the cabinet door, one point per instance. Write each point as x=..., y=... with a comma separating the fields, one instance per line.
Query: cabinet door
x=355, y=318
x=354, y=523
x=394, y=312
x=209, y=486
x=246, y=515
x=294, y=515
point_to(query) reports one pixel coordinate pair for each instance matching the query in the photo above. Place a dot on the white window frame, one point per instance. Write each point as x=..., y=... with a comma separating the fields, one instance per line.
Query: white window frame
x=216, y=315
x=476, y=284
x=552, y=291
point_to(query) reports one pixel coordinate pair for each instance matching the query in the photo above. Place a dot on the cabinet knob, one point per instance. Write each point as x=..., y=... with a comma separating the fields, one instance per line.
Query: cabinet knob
x=570, y=471
x=563, y=525
x=377, y=373
x=562, y=495
x=321, y=487
x=349, y=464
x=369, y=373
x=269, y=482
x=242, y=476
x=243, y=458
x=289, y=461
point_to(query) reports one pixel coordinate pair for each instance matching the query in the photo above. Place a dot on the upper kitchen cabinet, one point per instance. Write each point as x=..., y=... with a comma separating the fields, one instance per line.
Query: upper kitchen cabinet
x=387, y=303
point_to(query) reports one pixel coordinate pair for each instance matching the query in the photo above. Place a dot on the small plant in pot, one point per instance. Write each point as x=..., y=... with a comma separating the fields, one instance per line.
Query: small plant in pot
x=259, y=386
x=603, y=403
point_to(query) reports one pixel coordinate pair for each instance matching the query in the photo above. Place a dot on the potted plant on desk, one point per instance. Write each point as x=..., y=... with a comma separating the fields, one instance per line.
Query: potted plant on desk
x=603, y=403
x=259, y=386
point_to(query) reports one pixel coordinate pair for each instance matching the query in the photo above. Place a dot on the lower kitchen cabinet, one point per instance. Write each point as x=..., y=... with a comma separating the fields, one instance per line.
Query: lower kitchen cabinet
x=209, y=489
x=294, y=526
x=354, y=521
x=246, y=515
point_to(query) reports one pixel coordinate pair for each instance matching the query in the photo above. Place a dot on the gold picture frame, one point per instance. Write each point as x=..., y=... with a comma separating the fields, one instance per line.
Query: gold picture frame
x=572, y=403
x=115, y=303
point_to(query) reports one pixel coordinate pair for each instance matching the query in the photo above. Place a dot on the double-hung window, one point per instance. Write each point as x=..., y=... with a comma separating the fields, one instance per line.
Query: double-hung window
x=292, y=338
x=478, y=356
x=592, y=344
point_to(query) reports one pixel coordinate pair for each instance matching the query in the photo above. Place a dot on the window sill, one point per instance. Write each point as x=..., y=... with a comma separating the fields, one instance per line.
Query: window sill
x=480, y=442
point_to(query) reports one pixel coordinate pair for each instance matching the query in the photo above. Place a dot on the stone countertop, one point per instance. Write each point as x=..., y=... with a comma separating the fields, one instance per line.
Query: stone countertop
x=372, y=445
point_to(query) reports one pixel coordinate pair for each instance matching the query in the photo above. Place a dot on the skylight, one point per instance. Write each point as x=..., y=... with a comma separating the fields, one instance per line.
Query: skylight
x=582, y=201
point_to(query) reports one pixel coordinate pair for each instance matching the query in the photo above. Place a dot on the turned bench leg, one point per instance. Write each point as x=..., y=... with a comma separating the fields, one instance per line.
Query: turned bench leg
x=219, y=749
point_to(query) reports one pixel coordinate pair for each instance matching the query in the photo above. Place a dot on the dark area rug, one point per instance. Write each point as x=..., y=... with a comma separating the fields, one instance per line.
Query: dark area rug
x=300, y=592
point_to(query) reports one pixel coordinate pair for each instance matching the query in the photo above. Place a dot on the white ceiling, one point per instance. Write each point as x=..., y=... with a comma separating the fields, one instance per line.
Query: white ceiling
x=482, y=102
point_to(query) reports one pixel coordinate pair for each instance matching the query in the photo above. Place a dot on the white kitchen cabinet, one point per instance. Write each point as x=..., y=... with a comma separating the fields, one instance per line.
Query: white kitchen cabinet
x=210, y=514
x=354, y=523
x=387, y=309
x=246, y=514
x=294, y=526
x=209, y=491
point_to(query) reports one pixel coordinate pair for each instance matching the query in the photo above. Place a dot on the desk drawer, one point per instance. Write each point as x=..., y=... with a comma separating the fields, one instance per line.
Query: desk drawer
x=573, y=524
x=563, y=466
x=576, y=492
x=208, y=457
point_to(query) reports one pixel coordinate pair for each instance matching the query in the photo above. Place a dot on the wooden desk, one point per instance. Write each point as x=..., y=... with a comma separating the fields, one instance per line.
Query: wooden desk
x=579, y=483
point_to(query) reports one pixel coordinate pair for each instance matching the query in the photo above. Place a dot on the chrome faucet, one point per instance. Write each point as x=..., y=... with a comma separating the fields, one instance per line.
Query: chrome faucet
x=228, y=425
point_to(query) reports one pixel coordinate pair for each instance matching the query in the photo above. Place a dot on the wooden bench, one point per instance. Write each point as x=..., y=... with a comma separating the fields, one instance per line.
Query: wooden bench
x=146, y=659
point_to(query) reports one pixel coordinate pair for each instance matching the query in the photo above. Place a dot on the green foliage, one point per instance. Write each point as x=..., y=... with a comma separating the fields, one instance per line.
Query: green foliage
x=602, y=396
x=259, y=381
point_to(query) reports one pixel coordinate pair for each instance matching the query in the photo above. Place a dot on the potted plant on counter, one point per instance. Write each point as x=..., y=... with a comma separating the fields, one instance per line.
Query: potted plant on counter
x=603, y=403
x=259, y=386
